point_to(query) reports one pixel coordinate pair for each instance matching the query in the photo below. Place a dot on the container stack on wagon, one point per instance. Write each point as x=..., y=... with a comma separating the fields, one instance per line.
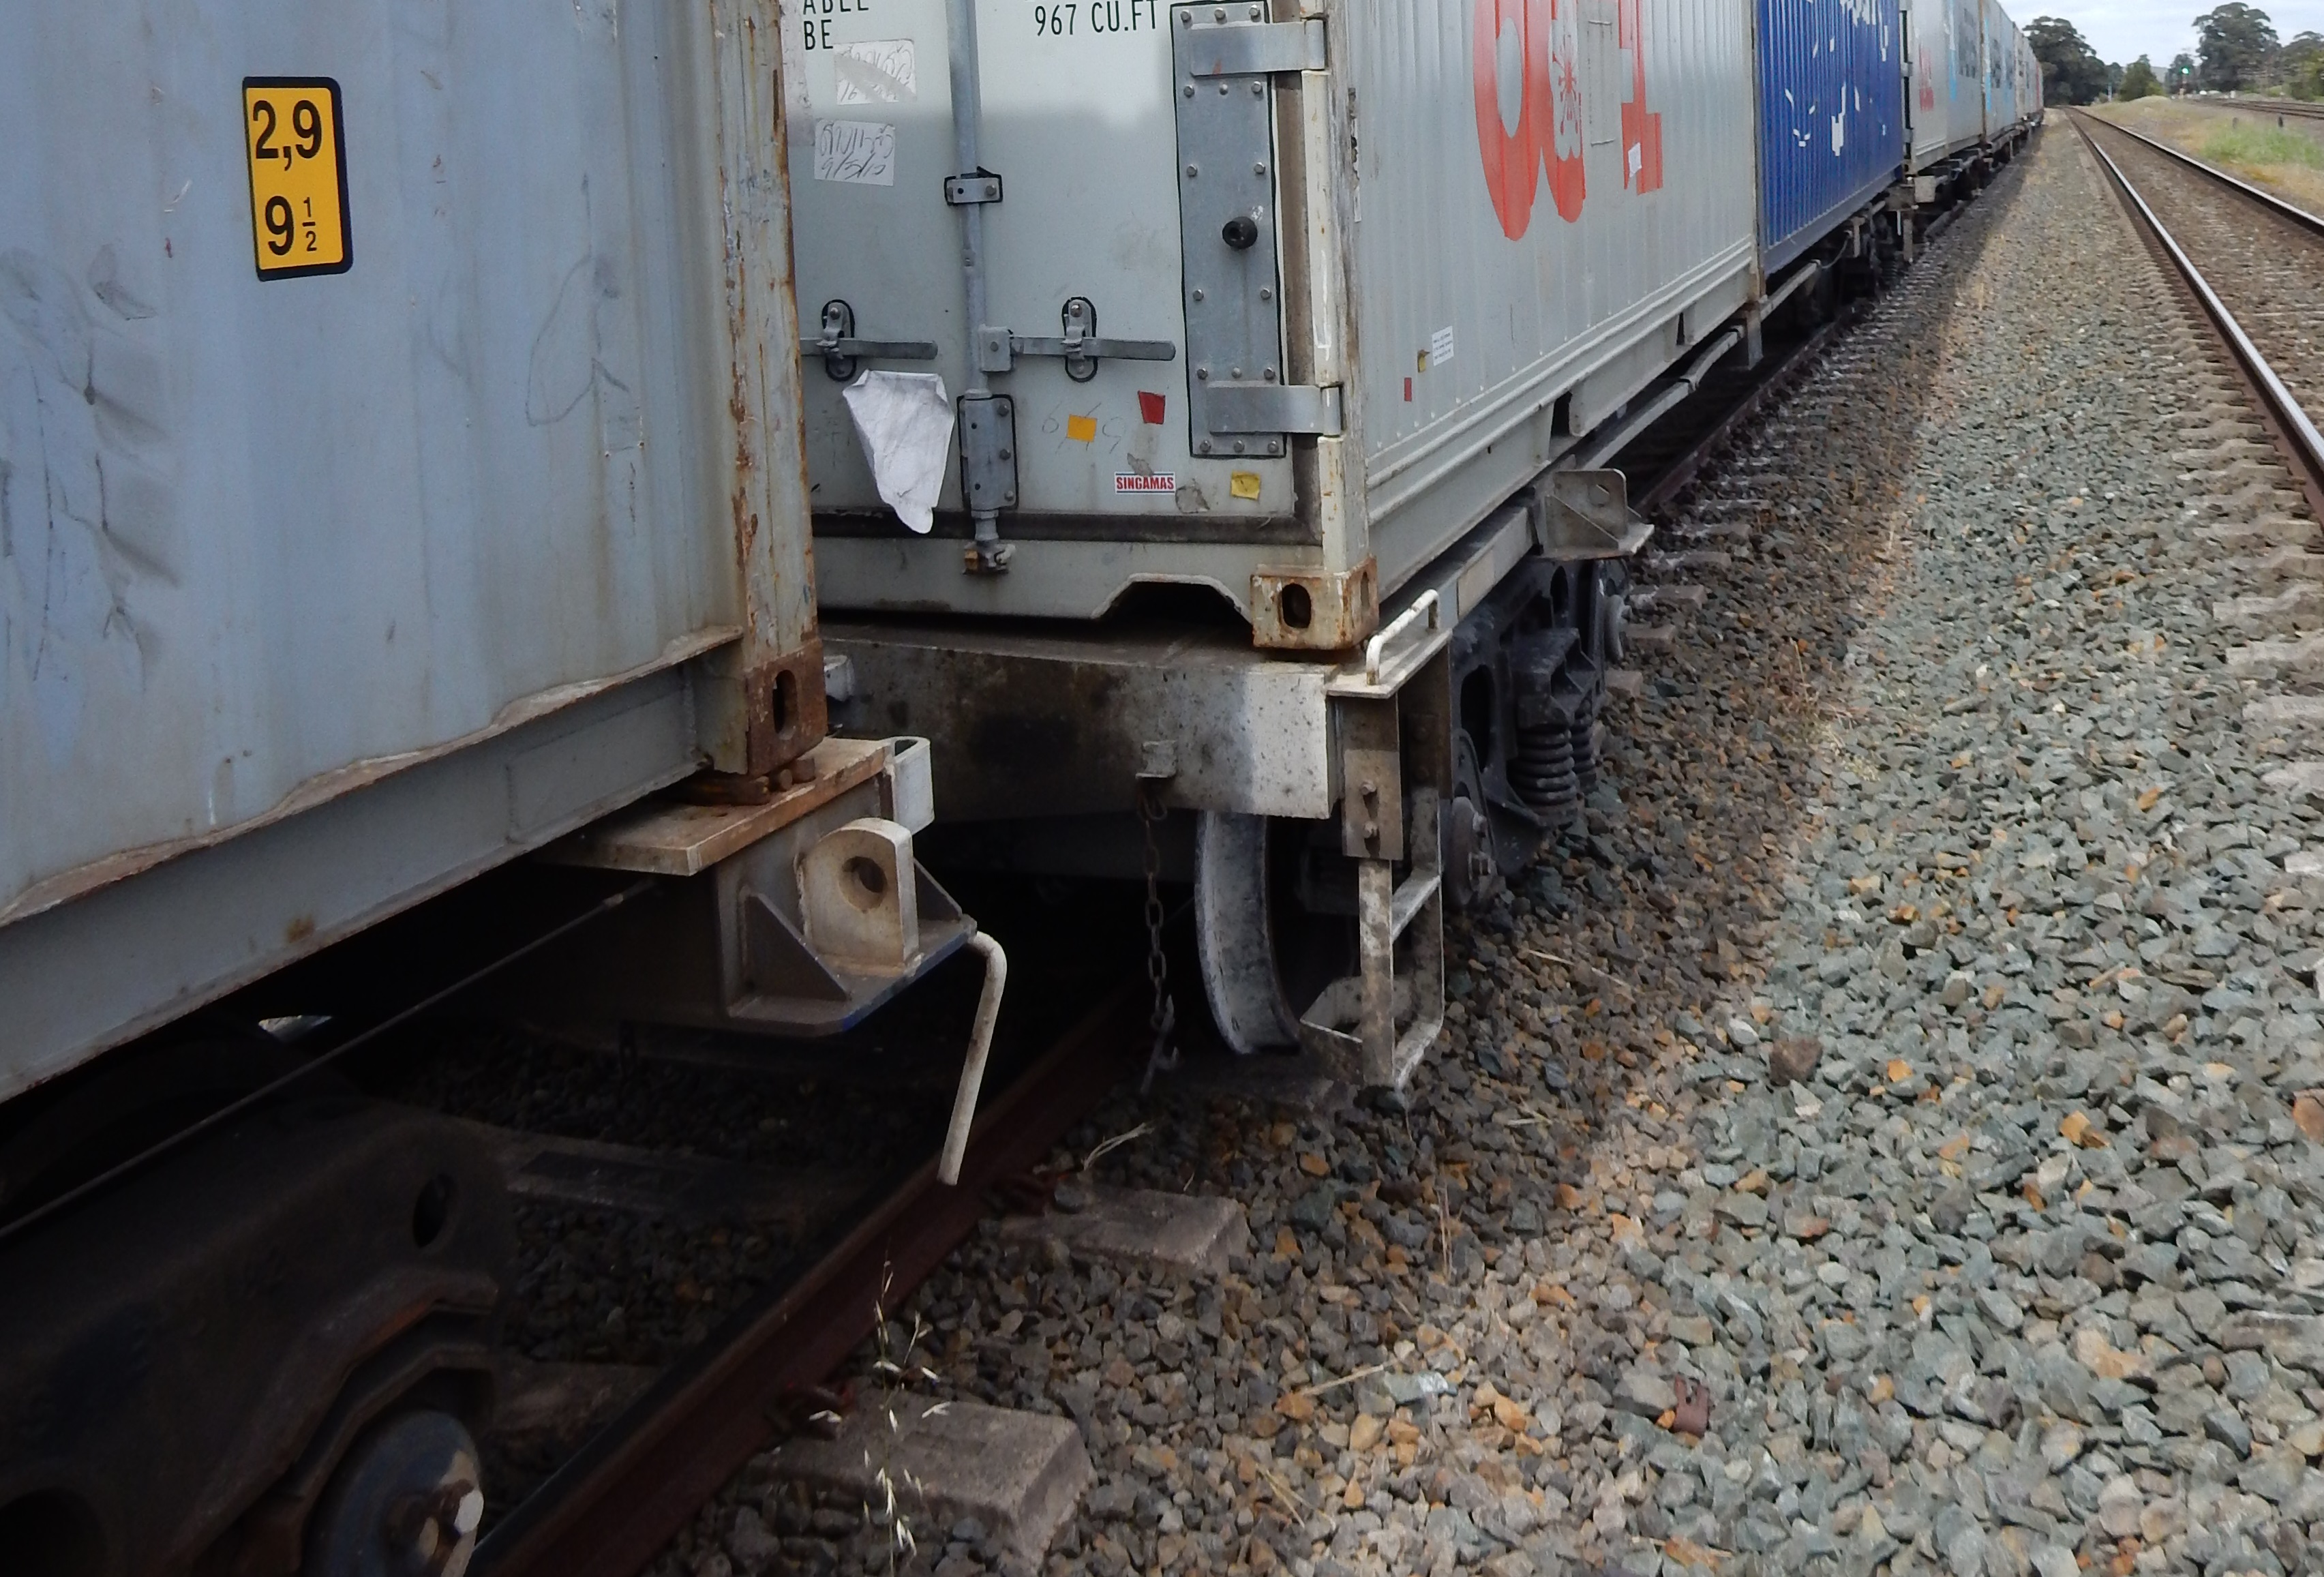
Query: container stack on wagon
x=400, y=475
x=1206, y=415
x=1286, y=348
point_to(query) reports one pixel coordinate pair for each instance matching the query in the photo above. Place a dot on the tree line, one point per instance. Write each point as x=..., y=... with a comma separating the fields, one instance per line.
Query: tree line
x=2236, y=51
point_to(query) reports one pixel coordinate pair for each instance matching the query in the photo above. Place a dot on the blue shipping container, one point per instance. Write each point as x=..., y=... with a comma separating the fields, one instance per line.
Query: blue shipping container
x=1831, y=116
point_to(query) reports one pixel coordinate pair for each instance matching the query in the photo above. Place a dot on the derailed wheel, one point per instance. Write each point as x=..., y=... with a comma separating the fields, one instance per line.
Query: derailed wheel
x=405, y=1502
x=1274, y=922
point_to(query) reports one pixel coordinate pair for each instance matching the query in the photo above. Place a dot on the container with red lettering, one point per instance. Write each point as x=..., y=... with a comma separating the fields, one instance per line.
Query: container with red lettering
x=1348, y=276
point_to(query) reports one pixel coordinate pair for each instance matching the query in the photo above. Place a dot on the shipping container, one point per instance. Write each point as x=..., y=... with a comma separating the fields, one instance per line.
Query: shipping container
x=399, y=467
x=1946, y=100
x=1345, y=280
x=1831, y=116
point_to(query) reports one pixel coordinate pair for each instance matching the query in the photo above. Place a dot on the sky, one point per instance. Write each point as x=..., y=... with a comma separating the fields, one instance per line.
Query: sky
x=2121, y=30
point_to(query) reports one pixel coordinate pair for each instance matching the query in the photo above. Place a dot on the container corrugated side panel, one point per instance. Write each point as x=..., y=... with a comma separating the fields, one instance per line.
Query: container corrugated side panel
x=1522, y=300
x=1830, y=116
x=266, y=536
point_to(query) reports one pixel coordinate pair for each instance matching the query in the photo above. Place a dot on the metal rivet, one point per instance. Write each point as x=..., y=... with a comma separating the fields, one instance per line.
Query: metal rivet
x=1203, y=373
x=1006, y=455
x=1220, y=14
x=1254, y=14
x=1192, y=171
x=1270, y=374
x=1266, y=294
x=1223, y=90
x=1259, y=169
x=1257, y=88
x=1205, y=446
x=1190, y=90
x=1198, y=294
x=1186, y=19
x=1236, y=373
x=1238, y=446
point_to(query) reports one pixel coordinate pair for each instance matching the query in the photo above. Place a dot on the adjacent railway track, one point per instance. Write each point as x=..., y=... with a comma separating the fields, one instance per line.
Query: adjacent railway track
x=2253, y=264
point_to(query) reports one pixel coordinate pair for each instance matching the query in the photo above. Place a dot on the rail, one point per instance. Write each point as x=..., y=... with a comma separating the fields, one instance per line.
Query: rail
x=2274, y=204
x=2295, y=430
x=612, y=1507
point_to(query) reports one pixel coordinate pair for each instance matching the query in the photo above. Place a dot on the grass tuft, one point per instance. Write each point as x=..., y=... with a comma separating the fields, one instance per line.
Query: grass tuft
x=2255, y=146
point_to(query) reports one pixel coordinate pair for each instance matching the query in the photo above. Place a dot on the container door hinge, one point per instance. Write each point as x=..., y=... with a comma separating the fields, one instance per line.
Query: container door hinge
x=1269, y=408
x=988, y=451
x=1248, y=47
x=997, y=349
x=840, y=348
x=1223, y=60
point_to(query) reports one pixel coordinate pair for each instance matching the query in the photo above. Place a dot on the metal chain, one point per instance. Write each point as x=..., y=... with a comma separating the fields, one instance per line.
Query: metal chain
x=1164, y=1056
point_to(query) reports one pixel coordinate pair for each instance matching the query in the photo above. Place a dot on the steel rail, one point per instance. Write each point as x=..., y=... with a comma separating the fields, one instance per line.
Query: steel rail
x=2294, y=431
x=609, y=1510
x=2274, y=204
x=2298, y=108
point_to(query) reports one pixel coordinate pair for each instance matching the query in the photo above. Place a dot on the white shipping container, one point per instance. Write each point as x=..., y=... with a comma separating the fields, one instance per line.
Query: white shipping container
x=1374, y=266
x=1944, y=97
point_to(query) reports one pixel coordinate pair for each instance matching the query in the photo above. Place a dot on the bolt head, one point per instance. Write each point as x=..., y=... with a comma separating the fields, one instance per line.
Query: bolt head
x=1259, y=169
x=1193, y=171
x=1190, y=90
x=1238, y=446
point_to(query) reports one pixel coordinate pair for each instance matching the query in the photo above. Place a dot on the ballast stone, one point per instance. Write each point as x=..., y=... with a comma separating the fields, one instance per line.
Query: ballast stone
x=1019, y=1474
x=1192, y=1235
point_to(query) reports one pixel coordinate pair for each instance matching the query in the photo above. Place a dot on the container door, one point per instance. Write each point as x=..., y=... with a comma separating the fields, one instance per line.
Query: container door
x=1089, y=220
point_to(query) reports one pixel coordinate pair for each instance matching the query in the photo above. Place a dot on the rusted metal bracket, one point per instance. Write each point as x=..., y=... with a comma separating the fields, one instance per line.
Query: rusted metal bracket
x=1314, y=610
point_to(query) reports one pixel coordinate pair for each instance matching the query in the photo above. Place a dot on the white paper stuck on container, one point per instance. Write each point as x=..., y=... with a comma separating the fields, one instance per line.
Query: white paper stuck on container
x=904, y=420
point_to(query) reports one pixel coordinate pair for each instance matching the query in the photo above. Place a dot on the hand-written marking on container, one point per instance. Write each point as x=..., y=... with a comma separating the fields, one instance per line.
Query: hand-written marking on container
x=1088, y=18
x=861, y=152
x=883, y=70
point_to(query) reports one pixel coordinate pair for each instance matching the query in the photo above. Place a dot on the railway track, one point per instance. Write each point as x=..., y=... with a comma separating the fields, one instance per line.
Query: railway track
x=656, y=1443
x=2253, y=264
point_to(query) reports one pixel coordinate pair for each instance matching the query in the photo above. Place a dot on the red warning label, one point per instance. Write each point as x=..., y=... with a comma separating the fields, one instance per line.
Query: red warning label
x=1151, y=408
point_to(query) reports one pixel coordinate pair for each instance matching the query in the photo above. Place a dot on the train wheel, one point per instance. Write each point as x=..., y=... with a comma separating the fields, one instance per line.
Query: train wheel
x=1274, y=922
x=406, y=1502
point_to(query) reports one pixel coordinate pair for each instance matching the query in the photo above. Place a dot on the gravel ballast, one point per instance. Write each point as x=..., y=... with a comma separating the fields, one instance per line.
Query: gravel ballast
x=1877, y=1142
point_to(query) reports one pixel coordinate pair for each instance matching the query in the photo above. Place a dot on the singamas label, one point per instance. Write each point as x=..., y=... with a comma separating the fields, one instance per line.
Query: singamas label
x=1145, y=481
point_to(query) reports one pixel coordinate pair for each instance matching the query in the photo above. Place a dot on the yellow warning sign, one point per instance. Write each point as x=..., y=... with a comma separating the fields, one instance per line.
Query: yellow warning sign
x=1243, y=484
x=1082, y=430
x=298, y=154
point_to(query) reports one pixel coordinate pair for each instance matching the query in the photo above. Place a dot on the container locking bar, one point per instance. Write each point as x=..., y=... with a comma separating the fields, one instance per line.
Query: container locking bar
x=997, y=349
x=841, y=350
